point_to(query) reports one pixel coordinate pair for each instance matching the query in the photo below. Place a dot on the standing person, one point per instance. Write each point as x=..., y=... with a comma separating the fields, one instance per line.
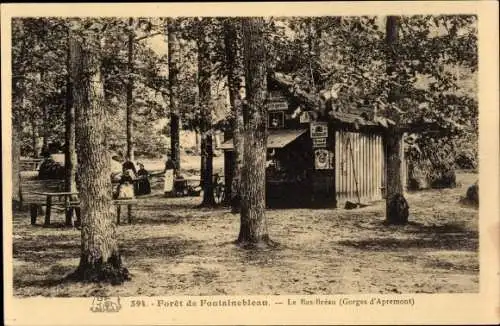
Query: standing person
x=143, y=187
x=169, y=176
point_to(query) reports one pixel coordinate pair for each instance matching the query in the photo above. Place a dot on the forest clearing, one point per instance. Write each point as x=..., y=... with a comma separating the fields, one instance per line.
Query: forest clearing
x=176, y=248
x=202, y=127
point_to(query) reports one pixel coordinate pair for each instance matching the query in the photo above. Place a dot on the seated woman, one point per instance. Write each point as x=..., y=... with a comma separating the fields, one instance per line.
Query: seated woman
x=129, y=165
x=142, y=186
x=125, y=188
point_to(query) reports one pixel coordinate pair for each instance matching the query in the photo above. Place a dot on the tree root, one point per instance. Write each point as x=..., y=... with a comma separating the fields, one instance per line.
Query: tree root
x=263, y=243
x=111, y=272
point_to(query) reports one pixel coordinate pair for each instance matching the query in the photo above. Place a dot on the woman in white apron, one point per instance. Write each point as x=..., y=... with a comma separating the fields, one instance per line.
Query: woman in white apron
x=168, y=187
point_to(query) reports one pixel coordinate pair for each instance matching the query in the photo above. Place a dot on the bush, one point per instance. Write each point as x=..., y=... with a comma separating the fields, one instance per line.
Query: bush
x=472, y=195
x=431, y=164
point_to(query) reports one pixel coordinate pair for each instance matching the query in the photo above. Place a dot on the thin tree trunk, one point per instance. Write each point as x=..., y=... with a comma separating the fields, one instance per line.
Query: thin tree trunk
x=173, y=71
x=16, y=155
x=45, y=120
x=18, y=91
x=204, y=90
x=35, y=137
x=253, y=229
x=70, y=148
x=129, y=91
x=100, y=258
x=235, y=77
x=197, y=141
x=396, y=205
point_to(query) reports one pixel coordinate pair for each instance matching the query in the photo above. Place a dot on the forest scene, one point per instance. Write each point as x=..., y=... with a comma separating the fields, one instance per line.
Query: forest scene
x=252, y=155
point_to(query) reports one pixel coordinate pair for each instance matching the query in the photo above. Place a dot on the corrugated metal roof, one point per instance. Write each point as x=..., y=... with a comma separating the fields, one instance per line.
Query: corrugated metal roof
x=277, y=138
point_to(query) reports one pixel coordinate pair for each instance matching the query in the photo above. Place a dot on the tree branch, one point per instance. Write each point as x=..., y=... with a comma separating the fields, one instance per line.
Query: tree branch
x=137, y=39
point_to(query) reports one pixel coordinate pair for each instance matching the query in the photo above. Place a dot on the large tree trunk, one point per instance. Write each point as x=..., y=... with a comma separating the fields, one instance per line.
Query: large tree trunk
x=396, y=205
x=253, y=229
x=204, y=90
x=235, y=77
x=173, y=72
x=100, y=258
x=70, y=148
x=130, y=89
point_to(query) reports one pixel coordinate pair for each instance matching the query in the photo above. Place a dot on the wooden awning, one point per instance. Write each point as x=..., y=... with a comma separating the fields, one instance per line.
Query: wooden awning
x=276, y=138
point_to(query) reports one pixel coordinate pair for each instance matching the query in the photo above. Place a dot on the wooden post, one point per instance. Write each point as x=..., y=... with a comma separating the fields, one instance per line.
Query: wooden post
x=118, y=211
x=47, y=210
x=68, y=210
x=129, y=214
x=33, y=213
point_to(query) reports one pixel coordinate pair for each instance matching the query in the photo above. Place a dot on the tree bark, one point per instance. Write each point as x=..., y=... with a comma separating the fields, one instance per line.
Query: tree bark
x=396, y=205
x=129, y=91
x=173, y=72
x=204, y=90
x=45, y=120
x=235, y=76
x=35, y=137
x=18, y=92
x=16, y=155
x=70, y=137
x=253, y=228
x=100, y=259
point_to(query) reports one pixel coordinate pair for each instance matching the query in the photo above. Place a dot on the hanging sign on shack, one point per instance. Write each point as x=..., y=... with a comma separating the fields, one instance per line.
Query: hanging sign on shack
x=319, y=142
x=321, y=159
x=277, y=102
x=319, y=130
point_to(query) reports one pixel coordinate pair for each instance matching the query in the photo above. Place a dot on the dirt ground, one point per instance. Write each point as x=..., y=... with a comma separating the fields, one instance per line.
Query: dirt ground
x=174, y=248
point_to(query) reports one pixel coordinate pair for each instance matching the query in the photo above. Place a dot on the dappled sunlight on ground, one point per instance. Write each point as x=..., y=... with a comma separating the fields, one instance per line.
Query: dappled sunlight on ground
x=174, y=248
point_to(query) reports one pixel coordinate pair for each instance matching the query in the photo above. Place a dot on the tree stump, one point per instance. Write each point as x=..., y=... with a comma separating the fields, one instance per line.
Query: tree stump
x=398, y=210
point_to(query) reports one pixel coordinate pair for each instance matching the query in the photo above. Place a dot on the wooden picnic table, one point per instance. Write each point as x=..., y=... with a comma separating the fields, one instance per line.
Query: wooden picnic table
x=67, y=202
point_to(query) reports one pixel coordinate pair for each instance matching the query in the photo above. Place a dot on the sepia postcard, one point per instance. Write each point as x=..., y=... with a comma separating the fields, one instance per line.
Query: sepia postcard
x=260, y=163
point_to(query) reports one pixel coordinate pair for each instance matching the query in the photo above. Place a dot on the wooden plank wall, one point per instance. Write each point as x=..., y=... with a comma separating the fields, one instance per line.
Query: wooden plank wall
x=369, y=166
x=364, y=171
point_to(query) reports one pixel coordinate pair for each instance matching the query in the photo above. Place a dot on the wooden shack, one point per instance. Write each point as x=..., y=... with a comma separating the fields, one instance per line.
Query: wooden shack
x=317, y=160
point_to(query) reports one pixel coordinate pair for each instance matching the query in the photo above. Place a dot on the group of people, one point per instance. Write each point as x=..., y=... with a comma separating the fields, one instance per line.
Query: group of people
x=133, y=182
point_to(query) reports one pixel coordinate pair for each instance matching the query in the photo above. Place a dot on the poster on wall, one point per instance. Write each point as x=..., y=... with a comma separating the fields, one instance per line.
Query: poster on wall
x=319, y=142
x=321, y=159
x=319, y=130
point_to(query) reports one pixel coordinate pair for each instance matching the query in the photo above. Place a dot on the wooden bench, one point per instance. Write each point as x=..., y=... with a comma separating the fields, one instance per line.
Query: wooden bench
x=30, y=187
x=31, y=164
x=68, y=201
